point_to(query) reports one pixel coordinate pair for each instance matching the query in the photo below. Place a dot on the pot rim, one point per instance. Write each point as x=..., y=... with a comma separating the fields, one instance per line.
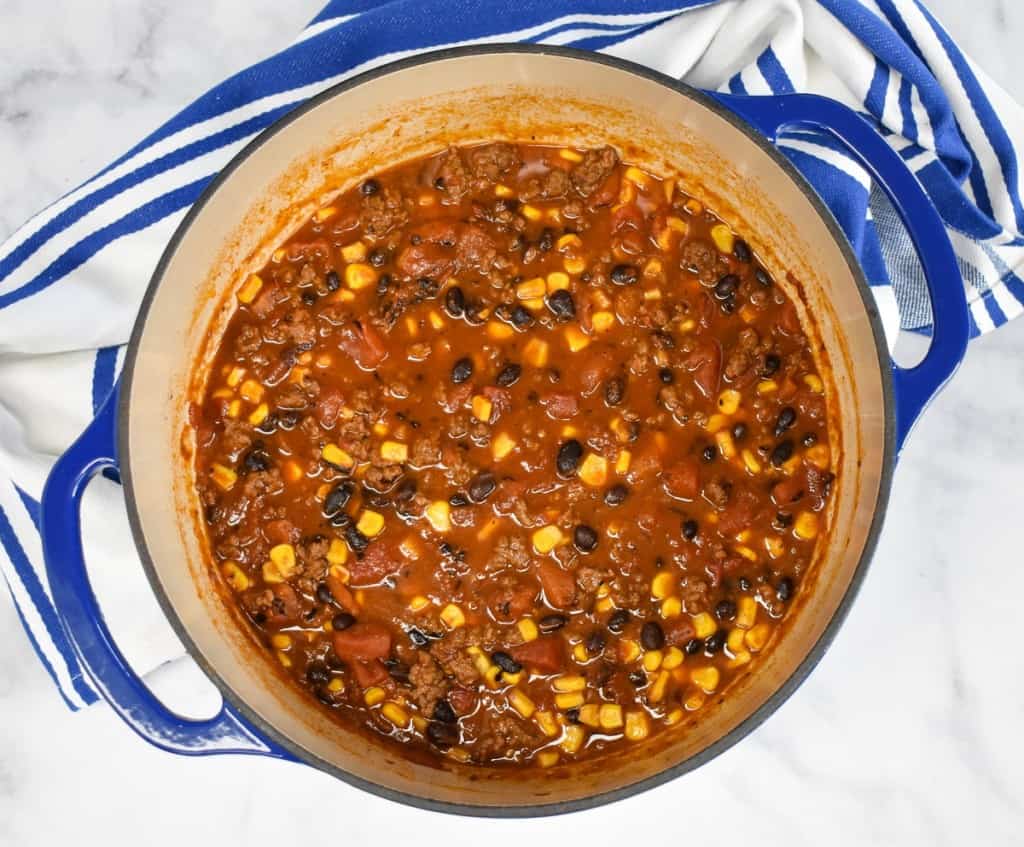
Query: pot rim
x=813, y=655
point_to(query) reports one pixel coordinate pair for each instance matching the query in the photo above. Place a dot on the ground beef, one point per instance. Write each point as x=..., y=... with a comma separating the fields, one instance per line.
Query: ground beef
x=428, y=683
x=354, y=436
x=311, y=558
x=511, y=551
x=382, y=476
x=717, y=492
x=819, y=483
x=700, y=258
x=261, y=483
x=737, y=363
x=458, y=468
x=382, y=212
x=248, y=341
x=695, y=594
x=492, y=161
x=551, y=186
x=425, y=452
x=237, y=437
x=629, y=591
x=476, y=249
x=589, y=579
x=292, y=397
x=450, y=654
x=590, y=174
x=453, y=175
x=505, y=735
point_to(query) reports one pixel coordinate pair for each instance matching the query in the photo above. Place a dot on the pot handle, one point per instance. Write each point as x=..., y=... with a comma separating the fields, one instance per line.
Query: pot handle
x=82, y=621
x=914, y=387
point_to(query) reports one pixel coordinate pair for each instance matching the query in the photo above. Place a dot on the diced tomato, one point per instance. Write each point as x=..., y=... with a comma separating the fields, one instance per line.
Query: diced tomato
x=377, y=562
x=740, y=513
x=369, y=673
x=462, y=700
x=426, y=259
x=626, y=217
x=705, y=363
x=561, y=406
x=281, y=532
x=790, y=489
x=678, y=631
x=682, y=479
x=559, y=585
x=789, y=320
x=544, y=654
x=363, y=642
x=285, y=607
x=328, y=406
x=342, y=596
x=363, y=343
x=608, y=191
x=501, y=400
x=595, y=368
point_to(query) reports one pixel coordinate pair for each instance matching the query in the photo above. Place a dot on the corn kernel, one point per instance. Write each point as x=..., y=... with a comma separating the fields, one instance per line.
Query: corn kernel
x=818, y=456
x=418, y=603
x=716, y=422
x=623, y=461
x=452, y=616
x=602, y=321
x=247, y=293
x=359, y=275
x=610, y=716
x=436, y=319
x=531, y=289
x=573, y=265
x=283, y=557
x=570, y=155
x=750, y=461
x=673, y=659
x=767, y=386
x=394, y=451
x=536, y=352
x=503, y=191
x=293, y=471
x=373, y=695
x=746, y=552
x=567, y=241
x=502, y=446
x=637, y=177
x=531, y=213
x=395, y=713
x=594, y=470
x=482, y=408
x=527, y=629
x=438, y=514
x=325, y=213
x=334, y=455
x=282, y=657
x=652, y=660
x=281, y=641
x=576, y=339
x=694, y=701
x=637, y=725
x=459, y=754
x=547, y=538
x=590, y=715
x=547, y=722
x=223, y=394
x=723, y=238
x=741, y=658
x=547, y=758
x=521, y=703
x=662, y=585
x=336, y=685
x=706, y=679
x=775, y=546
x=746, y=612
x=569, y=700
x=235, y=377
x=656, y=693
x=499, y=331
x=673, y=717
x=704, y=625
x=629, y=650
x=671, y=607
x=569, y=682
x=224, y=477
x=354, y=252
x=735, y=640
x=370, y=523
x=627, y=194
x=573, y=737
x=806, y=526
x=729, y=401
x=693, y=206
x=259, y=414
x=758, y=636
x=726, y=446
x=235, y=576
x=557, y=281
x=813, y=382
x=678, y=225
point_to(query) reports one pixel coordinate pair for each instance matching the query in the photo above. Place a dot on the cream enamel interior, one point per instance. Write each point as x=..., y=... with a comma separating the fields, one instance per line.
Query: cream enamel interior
x=468, y=98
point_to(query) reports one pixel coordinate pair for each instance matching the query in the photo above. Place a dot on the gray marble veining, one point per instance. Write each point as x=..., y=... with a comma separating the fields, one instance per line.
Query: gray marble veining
x=907, y=733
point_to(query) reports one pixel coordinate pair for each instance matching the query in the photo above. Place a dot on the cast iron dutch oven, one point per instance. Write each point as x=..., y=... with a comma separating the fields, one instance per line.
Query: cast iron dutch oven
x=723, y=147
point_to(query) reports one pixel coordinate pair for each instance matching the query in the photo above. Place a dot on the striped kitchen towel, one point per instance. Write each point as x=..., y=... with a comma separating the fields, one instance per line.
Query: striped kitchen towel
x=72, y=277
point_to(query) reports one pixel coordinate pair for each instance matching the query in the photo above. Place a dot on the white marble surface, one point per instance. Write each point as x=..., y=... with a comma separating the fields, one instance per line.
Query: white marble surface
x=909, y=732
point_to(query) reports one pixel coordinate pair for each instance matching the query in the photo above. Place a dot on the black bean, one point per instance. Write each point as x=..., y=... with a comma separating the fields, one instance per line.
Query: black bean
x=288, y=420
x=462, y=370
x=573, y=716
x=521, y=317
x=625, y=275
x=442, y=735
x=337, y=498
x=809, y=439
x=666, y=376
x=739, y=431
x=652, y=636
x=714, y=642
x=637, y=679
x=551, y=623
x=690, y=529
x=444, y=712
x=782, y=453
x=585, y=538
x=417, y=638
x=406, y=490
x=594, y=643
x=323, y=593
x=616, y=495
x=256, y=459
x=317, y=673
x=617, y=622
x=378, y=258
x=568, y=459
x=369, y=188
x=308, y=297
x=458, y=499
x=710, y=453
x=726, y=286
x=561, y=305
x=761, y=275
x=771, y=365
x=383, y=284
x=614, y=390
x=509, y=375
x=546, y=240
x=504, y=661
x=693, y=647
x=784, y=590
x=342, y=620
x=728, y=305
x=725, y=610
x=482, y=486
x=439, y=183
x=786, y=419
x=356, y=540
x=741, y=250
x=473, y=314
x=341, y=520
x=332, y=281
x=398, y=671
x=663, y=340
x=454, y=302
x=783, y=519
